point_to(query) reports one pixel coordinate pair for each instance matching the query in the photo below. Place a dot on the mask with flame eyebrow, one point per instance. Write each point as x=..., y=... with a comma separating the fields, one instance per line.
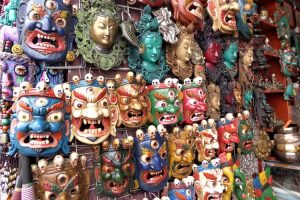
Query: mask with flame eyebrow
x=151, y=156
x=62, y=178
x=133, y=100
x=181, y=149
x=94, y=110
x=117, y=167
x=40, y=121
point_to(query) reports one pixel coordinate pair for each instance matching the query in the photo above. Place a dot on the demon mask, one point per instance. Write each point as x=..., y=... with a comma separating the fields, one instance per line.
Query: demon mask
x=133, y=100
x=46, y=29
x=207, y=140
x=15, y=69
x=185, y=54
x=62, y=178
x=189, y=11
x=117, y=167
x=262, y=185
x=179, y=190
x=165, y=102
x=181, y=148
x=208, y=184
x=151, y=158
x=94, y=111
x=194, y=96
x=98, y=36
x=245, y=133
x=222, y=13
x=227, y=133
x=40, y=123
x=148, y=56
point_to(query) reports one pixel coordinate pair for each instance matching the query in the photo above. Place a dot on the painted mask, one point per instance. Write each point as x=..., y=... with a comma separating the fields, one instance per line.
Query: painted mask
x=10, y=13
x=213, y=101
x=40, y=123
x=188, y=11
x=283, y=28
x=212, y=55
x=262, y=185
x=208, y=184
x=94, y=111
x=248, y=98
x=180, y=190
x=245, y=133
x=117, y=167
x=133, y=101
x=148, y=58
x=46, y=29
x=228, y=133
x=194, y=105
x=230, y=55
x=240, y=184
x=288, y=61
x=243, y=17
x=181, y=149
x=151, y=156
x=165, y=103
x=222, y=13
x=15, y=69
x=182, y=56
x=62, y=178
x=207, y=141
x=226, y=164
x=98, y=36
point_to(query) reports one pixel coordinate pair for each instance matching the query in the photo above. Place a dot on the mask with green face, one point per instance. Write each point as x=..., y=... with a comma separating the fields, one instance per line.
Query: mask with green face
x=245, y=133
x=230, y=55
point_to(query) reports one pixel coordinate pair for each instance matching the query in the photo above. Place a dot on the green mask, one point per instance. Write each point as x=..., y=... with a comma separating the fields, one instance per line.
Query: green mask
x=240, y=185
x=230, y=55
x=245, y=134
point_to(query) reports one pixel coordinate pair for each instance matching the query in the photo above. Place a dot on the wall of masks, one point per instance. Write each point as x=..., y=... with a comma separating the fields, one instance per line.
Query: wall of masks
x=131, y=100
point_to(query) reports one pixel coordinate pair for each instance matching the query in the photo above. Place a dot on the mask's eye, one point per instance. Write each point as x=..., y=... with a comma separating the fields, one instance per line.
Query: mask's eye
x=54, y=71
x=193, y=102
x=177, y=103
x=125, y=100
x=61, y=22
x=51, y=5
x=161, y=104
x=78, y=104
x=154, y=144
x=104, y=103
x=163, y=154
x=227, y=135
x=50, y=195
x=20, y=70
x=237, y=180
x=24, y=116
x=62, y=180
x=188, y=193
x=179, y=152
x=54, y=117
x=34, y=15
x=146, y=158
x=74, y=190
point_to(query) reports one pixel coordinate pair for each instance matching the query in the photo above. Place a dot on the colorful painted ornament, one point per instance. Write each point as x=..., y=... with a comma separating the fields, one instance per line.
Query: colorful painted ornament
x=133, y=100
x=98, y=36
x=179, y=190
x=222, y=13
x=40, y=122
x=181, y=148
x=148, y=57
x=67, y=178
x=46, y=29
x=117, y=167
x=94, y=111
x=151, y=154
x=165, y=101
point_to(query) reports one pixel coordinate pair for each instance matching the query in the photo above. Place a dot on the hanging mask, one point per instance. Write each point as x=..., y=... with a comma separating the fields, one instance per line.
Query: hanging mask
x=208, y=183
x=283, y=28
x=98, y=36
x=133, y=100
x=46, y=29
x=194, y=96
x=181, y=149
x=62, y=178
x=151, y=156
x=226, y=164
x=222, y=14
x=117, y=167
x=263, y=185
x=289, y=62
x=10, y=13
x=228, y=133
x=148, y=57
x=243, y=17
x=15, y=69
x=230, y=57
x=165, y=102
x=191, y=11
x=213, y=101
x=179, y=190
x=245, y=133
x=207, y=140
x=40, y=121
x=94, y=111
x=183, y=56
x=240, y=186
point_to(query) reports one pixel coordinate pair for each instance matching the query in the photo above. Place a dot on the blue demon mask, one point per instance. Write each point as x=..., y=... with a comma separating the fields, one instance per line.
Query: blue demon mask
x=181, y=190
x=40, y=122
x=151, y=159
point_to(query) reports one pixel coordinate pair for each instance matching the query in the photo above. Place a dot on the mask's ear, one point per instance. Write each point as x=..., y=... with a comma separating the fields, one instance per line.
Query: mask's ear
x=22, y=11
x=213, y=12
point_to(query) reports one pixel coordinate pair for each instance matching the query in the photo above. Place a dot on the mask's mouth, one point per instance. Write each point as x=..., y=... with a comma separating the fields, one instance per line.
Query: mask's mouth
x=247, y=144
x=45, y=43
x=214, y=196
x=117, y=188
x=195, y=8
x=38, y=141
x=210, y=153
x=229, y=147
x=183, y=167
x=228, y=18
x=135, y=115
x=7, y=92
x=166, y=118
x=196, y=116
x=154, y=177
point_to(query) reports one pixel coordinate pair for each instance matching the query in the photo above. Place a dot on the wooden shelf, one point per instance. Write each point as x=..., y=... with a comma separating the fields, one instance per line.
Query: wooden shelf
x=258, y=67
x=269, y=91
x=271, y=55
x=280, y=164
